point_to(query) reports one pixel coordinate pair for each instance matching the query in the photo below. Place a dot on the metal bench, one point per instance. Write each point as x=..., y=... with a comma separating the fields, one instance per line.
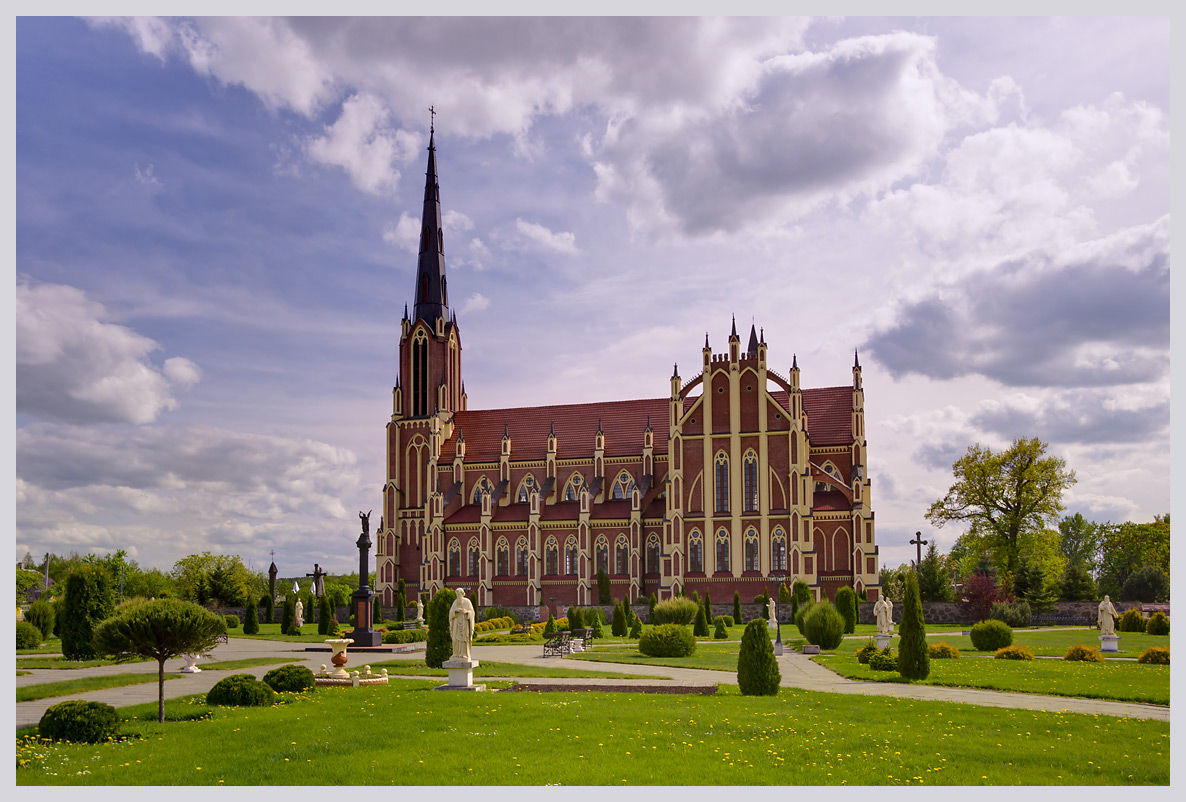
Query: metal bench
x=409, y=625
x=223, y=638
x=522, y=629
x=585, y=635
x=556, y=645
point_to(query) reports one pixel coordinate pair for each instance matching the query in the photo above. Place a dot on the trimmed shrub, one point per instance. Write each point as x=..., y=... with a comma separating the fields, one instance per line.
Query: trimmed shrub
x=1131, y=621
x=598, y=630
x=736, y=605
x=251, y=620
x=784, y=594
x=27, y=635
x=440, y=642
x=240, y=690
x=59, y=606
x=1155, y=655
x=884, y=660
x=675, y=611
x=865, y=651
x=405, y=636
x=990, y=635
x=1015, y=614
x=550, y=625
x=757, y=670
x=700, y=628
x=1014, y=653
x=801, y=615
x=823, y=626
x=290, y=678
x=914, y=661
x=498, y=611
x=80, y=722
x=728, y=619
x=324, y=613
x=401, y=599
x=846, y=605
x=942, y=651
x=287, y=616
x=88, y=601
x=667, y=640
x=1086, y=654
x=41, y=615
x=1158, y=624
x=617, y=626
x=269, y=605
x=636, y=628
x=720, y=632
x=232, y=621
x=603, y=588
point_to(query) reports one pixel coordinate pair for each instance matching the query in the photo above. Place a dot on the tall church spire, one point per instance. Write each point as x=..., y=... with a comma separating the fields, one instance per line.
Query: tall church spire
x=432, y=295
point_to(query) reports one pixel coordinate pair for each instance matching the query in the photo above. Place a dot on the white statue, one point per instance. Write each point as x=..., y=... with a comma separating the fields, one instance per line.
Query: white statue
x=299, y=620
x=1107, y=617
x=419, y=612
x=771, y=612
x=883, y=608
x=461, y=625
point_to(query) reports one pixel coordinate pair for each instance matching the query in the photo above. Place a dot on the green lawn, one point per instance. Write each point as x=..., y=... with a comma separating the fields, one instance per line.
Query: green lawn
x=63, y=663
x=1046, y=642
x=710, y=654
x=50, y=646
x=68, y=687
x=1118, y=681
x=248, y=662
x=493, y=669
x=308, y=634
x=406, y=732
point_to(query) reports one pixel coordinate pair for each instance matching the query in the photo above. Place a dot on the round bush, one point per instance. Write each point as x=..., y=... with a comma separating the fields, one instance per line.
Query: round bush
x=1014, y=653
x=1086, y=654
x=801, y=615
x=675, y=611
x=943, y=651
x=232, y=621
x=990, y=635
x=865, y=651
x=667, y=640
x=1158, y=624
x=240, y=690
x=1131, y=621
x=27, y=635
x=823, y=626
x=1156, y=655
x=41, y=615
x=80, y=722
x=290, y=678
x=884, y=660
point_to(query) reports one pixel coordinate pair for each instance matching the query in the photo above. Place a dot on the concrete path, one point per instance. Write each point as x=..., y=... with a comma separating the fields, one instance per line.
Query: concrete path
x=798, y=671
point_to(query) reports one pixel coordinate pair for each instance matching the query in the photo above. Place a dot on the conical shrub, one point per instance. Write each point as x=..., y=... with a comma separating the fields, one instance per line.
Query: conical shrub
x=914, y=660
x=700, y=628
x=251, y=620
x=757, y=670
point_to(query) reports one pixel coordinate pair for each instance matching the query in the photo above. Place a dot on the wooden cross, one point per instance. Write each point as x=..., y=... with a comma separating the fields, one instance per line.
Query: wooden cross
x=918, y=543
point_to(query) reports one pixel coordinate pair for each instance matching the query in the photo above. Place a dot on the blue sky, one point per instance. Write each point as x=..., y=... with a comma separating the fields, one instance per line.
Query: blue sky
x=216, y=218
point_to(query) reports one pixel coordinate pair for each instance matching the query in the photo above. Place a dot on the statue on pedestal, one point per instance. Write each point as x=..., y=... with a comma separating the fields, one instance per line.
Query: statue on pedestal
x=1107, y=617
x=883, y=608
x=419, y=611
x=771, y=612
x=298, y=620
x=461, y=625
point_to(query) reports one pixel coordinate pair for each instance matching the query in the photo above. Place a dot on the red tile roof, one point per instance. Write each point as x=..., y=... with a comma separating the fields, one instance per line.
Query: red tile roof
x=622, y=422
x=829, y=414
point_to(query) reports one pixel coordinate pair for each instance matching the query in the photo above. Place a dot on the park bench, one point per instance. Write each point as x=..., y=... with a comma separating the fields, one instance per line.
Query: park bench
x=522, y=629
x=223, y=638
x=409, y=625
x=556, y=645
x=585, y=635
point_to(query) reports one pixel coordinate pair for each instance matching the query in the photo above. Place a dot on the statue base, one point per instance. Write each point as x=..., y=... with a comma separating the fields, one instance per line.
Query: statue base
x=778, y=648
x=1109, y=643
x=461, y=676
x=365, y=637
x=882, y=640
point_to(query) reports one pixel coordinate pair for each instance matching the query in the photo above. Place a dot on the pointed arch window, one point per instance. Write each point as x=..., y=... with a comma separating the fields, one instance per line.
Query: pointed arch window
x=831, y=470
x=552, y=557
x=722, y=551
x=601, y=552
x=652, y=555
x=623, y=486
x=475, y=560
x=573, y=488
x=525, y=488
x=481, y=486
x=454, y=558
x=752, y=552
x=622, y=556
x=521, y=557
x=570, y=557
x=749, y=474
x=420, y=371
x=502, y=558
x=695, y=553
x=778, y=551
x=721, y=482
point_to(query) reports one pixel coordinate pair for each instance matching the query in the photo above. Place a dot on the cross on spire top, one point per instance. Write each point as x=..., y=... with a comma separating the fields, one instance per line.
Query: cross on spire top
x=432, y=119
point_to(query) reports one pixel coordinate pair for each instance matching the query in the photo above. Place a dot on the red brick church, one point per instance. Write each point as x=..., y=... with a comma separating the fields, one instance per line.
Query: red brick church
x=740, y=477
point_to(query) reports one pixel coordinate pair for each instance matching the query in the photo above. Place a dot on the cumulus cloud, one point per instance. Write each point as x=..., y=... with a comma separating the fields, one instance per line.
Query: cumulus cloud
x=533, y=236
x=405, y=234
x=73, y=366
x=361, y=142
x=475, y=302
x=1095, y=315
x=1078, y=416
x=147, y=175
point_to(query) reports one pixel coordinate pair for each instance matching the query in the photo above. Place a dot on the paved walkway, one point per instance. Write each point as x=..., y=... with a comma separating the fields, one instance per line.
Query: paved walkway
x=798, y=671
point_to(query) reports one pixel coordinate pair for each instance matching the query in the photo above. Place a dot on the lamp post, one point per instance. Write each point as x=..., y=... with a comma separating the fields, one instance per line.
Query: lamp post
x=778, y=647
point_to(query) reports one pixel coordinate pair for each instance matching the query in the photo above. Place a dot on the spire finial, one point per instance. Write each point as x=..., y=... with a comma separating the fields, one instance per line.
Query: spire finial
x=599, y=426
x=648, y=420
x=733, y=333
x=706, y=339
x=762, y=335
x=432, y=120
x=460, y=434
x=552, y=430
x=794, y=361
x=506, y=432
x=856, y=359
x=674, y=369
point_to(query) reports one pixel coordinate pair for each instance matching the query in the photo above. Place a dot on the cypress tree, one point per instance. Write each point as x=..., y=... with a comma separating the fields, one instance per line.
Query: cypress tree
x=598, y=632
x=269, y=610
x=636, y=629
x=88, y=601
x=550, y=627
x=651, y=608
x=700, y=628
x=251, y=620
x=846, y=605
x=794, y=608
x=707, y=607
x=914, y=661
x=576, y=618
x=757, y=669
x=736, y=607
x=618, y=624
x=784, y=594
x=401, y=600
x=377, y=610
x=720, y=633
x=287, y=615
x=440, y=641
x=324, y=614
x=603, y=588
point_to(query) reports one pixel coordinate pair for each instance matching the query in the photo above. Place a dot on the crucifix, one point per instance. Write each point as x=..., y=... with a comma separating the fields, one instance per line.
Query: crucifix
x=918, y=543
x=318, y=580
x=432, y=118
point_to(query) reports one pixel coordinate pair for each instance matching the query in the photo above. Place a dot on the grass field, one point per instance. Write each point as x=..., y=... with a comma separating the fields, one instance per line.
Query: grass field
x=308, y=634
x=1042, y=642
x=46, y=690
x=1118, y=681
x=713, y=655
x=493, y=669
x=405, y=733
x=63, y=663
x=49, y=646
x=248, y=662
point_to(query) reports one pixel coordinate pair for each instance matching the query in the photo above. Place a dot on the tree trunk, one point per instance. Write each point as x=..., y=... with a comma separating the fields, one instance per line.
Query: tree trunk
x=160, y=685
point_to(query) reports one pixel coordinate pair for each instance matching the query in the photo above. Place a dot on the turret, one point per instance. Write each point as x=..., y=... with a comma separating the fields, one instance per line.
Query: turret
x=734, y=345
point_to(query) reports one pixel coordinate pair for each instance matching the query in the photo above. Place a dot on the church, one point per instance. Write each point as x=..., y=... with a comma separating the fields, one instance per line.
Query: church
x=738, y=479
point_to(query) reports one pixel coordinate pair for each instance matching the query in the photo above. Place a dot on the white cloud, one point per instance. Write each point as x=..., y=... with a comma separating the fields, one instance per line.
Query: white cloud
x=147, y=175
x=405, y=234
x=72, y=366
x=538, y=237
x=153, y=35
x=474, y=303
x=456, y=221
x=362, y=143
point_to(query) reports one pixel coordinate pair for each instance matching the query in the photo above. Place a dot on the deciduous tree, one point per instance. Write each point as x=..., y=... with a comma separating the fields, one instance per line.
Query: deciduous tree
x=934, y=581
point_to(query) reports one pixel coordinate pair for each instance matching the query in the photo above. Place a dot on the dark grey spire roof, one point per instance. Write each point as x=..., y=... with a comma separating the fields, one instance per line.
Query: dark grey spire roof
x=431, y=292
x=753, y=341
